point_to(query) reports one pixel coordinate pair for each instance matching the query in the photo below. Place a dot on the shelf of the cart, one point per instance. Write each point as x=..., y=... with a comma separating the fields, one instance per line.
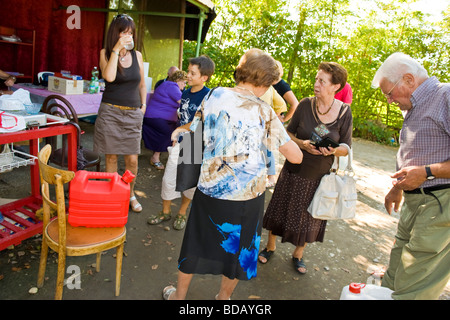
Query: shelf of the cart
x=19, y=221
x=14, y=159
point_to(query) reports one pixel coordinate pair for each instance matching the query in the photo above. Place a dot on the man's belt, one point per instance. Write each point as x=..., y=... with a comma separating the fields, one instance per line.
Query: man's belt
x=429, y=191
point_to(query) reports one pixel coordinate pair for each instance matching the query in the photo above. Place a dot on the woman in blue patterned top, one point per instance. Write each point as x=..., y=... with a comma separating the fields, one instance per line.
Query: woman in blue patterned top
x=224, y=227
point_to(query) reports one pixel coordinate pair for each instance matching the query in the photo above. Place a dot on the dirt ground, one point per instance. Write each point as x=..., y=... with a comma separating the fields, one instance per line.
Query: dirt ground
x=351, y=248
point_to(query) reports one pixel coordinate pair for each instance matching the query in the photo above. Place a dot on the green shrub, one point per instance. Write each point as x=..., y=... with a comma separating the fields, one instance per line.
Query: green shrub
x=374, y=131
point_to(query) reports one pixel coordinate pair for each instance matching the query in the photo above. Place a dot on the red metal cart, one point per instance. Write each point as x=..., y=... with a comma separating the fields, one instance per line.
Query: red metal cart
x=20, y=221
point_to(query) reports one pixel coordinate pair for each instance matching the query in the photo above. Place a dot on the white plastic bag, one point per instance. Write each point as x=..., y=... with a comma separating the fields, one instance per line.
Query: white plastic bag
x=15, y=101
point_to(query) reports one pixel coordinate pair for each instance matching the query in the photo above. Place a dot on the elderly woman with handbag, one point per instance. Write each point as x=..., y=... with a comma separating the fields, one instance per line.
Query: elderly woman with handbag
x=224, y=227
x=315, y=118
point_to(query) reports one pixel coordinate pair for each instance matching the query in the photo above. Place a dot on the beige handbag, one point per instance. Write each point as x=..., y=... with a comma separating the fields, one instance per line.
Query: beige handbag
x=335, y=198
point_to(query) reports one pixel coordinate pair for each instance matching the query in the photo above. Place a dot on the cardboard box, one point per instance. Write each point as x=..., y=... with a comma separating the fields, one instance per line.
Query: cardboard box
x=65, y=86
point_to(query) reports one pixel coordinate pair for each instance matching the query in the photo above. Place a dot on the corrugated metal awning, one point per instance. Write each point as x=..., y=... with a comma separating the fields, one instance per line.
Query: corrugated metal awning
x=206, y=4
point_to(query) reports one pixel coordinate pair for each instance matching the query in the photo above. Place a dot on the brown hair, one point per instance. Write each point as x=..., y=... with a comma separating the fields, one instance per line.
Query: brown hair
x=205, y=65
x=177, y=75
x=257, y=68
x=338, y=73
x=121, y=22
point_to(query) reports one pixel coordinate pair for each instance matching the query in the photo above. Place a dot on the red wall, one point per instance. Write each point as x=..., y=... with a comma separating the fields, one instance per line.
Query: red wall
x=57, y=47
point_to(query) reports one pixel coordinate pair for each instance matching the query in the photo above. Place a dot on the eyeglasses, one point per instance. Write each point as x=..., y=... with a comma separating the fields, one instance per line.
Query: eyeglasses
x=388, y=95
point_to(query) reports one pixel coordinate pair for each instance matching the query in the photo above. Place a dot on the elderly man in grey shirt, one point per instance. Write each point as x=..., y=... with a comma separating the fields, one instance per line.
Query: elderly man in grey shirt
x=419, y=266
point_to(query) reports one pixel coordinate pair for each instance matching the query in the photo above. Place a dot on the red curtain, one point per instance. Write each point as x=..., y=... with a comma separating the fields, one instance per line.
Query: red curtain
x=57, y=47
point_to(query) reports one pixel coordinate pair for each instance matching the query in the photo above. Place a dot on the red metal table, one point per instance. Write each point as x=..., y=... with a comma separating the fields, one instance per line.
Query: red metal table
x=14, y=233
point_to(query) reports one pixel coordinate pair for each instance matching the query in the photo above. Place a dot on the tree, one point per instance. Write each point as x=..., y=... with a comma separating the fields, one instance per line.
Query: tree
x=320, y=30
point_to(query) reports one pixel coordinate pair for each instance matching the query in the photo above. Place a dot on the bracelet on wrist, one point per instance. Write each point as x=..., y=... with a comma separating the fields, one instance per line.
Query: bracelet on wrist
x=143, y=105
x=116, y=53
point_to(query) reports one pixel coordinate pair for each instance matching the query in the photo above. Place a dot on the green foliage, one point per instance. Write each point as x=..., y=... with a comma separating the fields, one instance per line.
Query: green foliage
x=374, y=131
x=323, y=30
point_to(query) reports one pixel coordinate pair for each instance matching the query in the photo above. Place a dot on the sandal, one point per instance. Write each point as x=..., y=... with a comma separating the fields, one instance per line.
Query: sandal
x=137, y=206
x=180, y=222
x=160, y=217
x=299, y=264
x=265, y=254
x=158, y=165
x=167, y=292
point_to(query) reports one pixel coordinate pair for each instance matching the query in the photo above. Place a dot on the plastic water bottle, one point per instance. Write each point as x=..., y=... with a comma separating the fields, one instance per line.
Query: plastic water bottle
x=95, y=74
x=92, y=88
x=362, y=291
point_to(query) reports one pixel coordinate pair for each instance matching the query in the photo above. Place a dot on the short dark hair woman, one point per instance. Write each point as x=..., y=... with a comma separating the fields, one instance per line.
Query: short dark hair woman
x=286, y=215
x=119, y=121
x=224, y=226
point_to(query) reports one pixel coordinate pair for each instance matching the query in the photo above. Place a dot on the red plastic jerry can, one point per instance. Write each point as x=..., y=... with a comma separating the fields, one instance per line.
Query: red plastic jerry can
x=99, y=199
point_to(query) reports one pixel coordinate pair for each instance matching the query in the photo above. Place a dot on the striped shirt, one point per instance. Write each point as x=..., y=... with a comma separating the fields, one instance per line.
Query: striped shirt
x=425, y=135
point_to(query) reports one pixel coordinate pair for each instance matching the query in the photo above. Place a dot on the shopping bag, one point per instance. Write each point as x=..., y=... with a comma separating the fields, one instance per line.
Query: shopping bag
x=190, y=159
x=336, y=196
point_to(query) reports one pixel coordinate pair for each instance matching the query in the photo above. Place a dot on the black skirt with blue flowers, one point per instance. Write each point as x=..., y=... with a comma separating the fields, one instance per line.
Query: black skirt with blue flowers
x=222, y=237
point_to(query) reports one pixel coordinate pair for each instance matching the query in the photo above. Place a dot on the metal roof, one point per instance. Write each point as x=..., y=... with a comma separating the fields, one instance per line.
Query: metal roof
x=206, y=4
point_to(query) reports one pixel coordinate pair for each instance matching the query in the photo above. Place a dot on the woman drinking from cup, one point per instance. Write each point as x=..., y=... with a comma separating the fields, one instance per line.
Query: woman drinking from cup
x=119, y=122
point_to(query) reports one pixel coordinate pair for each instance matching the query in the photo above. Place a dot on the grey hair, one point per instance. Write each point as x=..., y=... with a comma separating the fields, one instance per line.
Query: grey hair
x=397, y=65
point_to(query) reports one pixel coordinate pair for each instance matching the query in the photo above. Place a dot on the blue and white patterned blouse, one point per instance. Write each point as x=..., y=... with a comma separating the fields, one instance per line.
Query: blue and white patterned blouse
x=235, y=128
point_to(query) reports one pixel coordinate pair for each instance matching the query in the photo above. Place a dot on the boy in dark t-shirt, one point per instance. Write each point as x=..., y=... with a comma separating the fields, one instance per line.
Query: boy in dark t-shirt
x=200, y=71
x=190, y=101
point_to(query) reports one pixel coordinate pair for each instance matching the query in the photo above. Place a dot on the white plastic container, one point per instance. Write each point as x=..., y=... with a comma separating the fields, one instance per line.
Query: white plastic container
x=362, y=291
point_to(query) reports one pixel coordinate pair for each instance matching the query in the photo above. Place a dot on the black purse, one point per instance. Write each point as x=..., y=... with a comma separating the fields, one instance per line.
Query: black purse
x=190, y=159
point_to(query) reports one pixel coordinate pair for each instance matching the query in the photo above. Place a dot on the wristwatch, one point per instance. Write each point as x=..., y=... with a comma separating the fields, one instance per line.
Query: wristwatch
x=429, y=174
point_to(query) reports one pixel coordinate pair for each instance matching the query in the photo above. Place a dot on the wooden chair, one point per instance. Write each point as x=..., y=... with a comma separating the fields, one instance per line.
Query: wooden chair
x=59, y=106
x=66, y=240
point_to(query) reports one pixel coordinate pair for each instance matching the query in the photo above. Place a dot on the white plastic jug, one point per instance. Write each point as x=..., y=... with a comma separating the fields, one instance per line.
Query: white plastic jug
x=362, y=291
